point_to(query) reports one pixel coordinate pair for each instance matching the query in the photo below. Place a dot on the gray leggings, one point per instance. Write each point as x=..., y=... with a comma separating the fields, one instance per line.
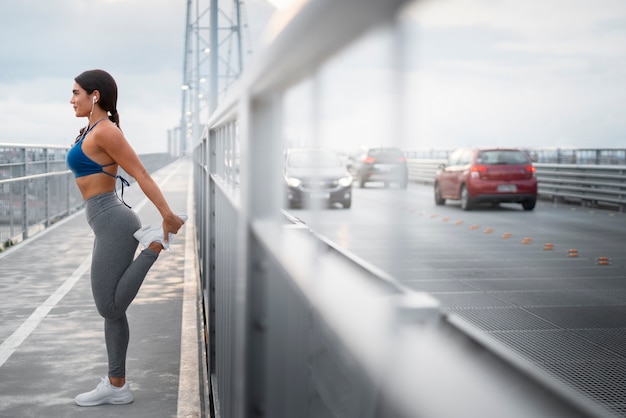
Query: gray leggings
x=115, y=275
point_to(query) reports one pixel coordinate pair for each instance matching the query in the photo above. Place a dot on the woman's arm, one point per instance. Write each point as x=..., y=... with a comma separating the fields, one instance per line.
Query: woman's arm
x=111, y=140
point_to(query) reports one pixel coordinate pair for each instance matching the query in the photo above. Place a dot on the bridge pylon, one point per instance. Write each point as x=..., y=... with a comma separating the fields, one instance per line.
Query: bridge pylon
x=213, y=61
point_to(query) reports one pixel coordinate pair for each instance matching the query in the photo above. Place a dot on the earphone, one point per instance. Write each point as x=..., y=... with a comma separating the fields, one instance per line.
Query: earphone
x=95, y=99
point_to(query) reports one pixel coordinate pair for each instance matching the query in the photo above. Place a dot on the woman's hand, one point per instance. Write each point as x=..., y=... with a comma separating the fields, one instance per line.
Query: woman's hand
x=171, y=225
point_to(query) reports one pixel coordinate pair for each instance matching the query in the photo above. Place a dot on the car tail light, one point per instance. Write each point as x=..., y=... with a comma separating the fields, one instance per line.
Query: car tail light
x=476, y=171
x=402, y=159
x=530, y=169
x=369, y=160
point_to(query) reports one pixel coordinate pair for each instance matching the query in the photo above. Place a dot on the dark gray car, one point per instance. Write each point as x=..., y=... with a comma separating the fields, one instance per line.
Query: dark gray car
x=316, y=176
x=386, y=165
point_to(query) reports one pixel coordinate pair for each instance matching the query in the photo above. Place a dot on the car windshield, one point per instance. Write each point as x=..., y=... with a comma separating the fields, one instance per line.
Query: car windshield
x=386, y=154
x=502, y=157
x=313, y=160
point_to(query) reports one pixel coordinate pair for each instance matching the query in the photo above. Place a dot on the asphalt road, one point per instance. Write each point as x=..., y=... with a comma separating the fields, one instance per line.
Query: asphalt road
x=549, y=284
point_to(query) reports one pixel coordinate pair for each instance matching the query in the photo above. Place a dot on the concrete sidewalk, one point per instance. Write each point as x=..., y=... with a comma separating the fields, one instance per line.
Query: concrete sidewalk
x=51, y=336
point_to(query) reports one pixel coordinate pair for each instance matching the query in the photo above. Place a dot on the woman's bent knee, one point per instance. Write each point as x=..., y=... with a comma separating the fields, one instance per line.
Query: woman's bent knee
x=110, y=313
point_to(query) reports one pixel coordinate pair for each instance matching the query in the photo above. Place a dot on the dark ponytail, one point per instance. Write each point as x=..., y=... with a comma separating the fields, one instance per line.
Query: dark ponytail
x=115, y=117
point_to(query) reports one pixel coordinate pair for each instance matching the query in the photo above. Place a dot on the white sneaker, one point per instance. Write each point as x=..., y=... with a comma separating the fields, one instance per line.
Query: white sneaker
x=105, y=393
x=154, y=233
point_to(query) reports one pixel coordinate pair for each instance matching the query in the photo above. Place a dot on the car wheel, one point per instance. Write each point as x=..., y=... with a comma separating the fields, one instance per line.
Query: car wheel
x=347, y=204
x=529, y=204
x=438, y=199
x=466, y=201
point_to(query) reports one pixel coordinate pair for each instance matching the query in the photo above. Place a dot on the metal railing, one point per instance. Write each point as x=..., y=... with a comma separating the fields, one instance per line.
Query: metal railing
x=37, y=189
x=294, y=325
x=598, y=156
x=590, y=185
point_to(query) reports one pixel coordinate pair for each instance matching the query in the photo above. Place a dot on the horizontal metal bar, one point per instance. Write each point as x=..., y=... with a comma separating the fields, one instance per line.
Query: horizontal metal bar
x=35, y=176
x=10, y=145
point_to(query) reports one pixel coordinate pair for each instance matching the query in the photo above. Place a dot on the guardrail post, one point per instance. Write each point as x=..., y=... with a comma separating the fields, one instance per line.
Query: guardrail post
x=24, y=194
x=261, y=196
x=209, y=159
x=68, y=181
x=46, y=190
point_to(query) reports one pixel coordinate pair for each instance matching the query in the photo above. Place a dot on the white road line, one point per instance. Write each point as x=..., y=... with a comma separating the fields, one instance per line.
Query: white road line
x=8, y=347
x=11, y=344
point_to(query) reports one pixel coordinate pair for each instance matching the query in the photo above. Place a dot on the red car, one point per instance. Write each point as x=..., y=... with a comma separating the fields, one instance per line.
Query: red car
x=496, y=175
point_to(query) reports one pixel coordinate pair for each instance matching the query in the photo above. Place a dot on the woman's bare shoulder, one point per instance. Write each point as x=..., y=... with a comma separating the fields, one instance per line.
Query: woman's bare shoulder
x=108, y=134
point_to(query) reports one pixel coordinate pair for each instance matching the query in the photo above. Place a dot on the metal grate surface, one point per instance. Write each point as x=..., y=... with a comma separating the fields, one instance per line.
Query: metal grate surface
x=602, y=381
x=584, y=316
x=554, y=346
x=571, y=298
x=438, y=286
x=503, y=319
x=471, y=300
x=612, y=339
x=548, y=284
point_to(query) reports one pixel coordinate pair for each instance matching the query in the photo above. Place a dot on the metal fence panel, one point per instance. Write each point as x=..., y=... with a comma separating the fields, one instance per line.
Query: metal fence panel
x=296, y=327
x=37, y=189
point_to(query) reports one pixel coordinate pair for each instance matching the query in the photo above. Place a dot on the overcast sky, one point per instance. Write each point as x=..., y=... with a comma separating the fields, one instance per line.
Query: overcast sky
x=523, y=73
x=45, y=44
x=481, y=72
x=485, y=73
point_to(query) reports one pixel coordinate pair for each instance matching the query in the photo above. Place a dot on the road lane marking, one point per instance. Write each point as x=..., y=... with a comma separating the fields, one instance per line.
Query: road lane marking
x=8, y=347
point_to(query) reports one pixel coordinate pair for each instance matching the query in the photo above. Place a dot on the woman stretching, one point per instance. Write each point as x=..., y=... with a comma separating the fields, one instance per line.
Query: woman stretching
x=116, y=275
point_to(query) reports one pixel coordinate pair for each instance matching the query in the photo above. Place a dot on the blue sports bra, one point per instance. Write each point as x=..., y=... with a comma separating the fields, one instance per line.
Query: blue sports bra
x=81, y=165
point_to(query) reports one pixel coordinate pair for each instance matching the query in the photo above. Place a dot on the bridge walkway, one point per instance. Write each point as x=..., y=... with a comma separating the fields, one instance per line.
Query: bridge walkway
x=51, y=336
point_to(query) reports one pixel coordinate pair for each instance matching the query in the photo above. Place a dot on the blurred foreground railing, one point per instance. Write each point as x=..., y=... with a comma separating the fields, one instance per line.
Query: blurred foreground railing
x=37, y=189
x=296, y=326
